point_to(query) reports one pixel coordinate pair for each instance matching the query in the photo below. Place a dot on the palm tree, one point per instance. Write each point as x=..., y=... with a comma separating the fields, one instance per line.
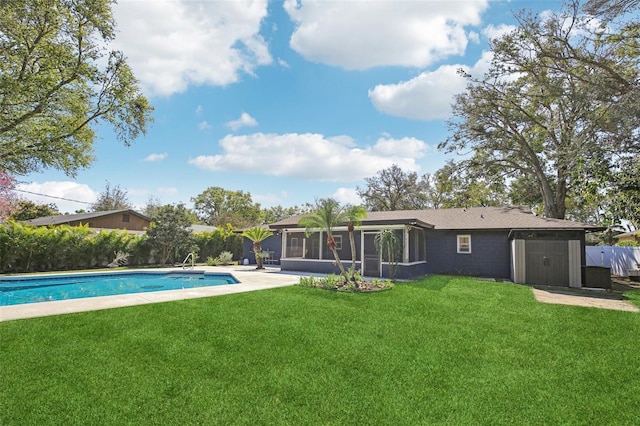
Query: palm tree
x=257, y=235
x=387, y=240
x=354, y=214
x=328, y=215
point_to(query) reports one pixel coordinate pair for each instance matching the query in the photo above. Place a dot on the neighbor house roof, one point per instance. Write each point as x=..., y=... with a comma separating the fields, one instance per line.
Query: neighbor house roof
x=202, y=228
x=628, y=234
x=79, y=217
x=460, y=219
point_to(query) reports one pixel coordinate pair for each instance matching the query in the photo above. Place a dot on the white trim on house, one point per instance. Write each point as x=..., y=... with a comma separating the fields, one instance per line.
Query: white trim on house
x=463, y=247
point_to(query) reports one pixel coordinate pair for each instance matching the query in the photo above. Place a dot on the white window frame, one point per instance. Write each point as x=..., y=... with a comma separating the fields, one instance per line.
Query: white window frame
x=338, y=241
x=464, y=247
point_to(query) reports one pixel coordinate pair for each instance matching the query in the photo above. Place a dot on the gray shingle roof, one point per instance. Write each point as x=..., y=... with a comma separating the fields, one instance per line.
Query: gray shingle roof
x=461, y=219
x=68, y=218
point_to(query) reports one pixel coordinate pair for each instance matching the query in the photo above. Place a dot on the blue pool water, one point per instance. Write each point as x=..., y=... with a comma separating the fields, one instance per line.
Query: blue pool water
x=22, y=290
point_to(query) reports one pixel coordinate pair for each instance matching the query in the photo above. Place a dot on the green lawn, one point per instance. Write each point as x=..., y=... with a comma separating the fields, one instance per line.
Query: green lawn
x=443, y=350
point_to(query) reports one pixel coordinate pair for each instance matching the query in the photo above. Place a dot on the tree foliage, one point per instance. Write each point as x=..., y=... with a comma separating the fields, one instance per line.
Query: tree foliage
x=277, y=213
x=25, y=210
x=58, y=82
x=25, y=248
x=353, y=216
x=327, y=215
x=550, y=109
x=387, y=244
x=217, y=206
x=454, y=186
x=257, y=234
x=7, y=196
x=170, y=234
x=111, y=198
x=394, y=189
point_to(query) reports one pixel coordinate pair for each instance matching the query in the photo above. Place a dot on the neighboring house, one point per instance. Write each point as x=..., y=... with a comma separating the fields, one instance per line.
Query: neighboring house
x=113, y=219
x=498, y=242
x=127, y=219
x=198, y=229
x=628, y=236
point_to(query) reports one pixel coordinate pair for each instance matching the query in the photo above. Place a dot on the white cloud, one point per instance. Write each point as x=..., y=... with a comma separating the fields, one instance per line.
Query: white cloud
x=82, y=194
x=283, y=63
x=156, y=157
x=493, y=32
x=311, y=156
x=167, y=190
x=199, y=110
x=203, y=125
x=429, y=95
x=347, y=196
x=361, y=35
x=171, y=44
x=245, y=120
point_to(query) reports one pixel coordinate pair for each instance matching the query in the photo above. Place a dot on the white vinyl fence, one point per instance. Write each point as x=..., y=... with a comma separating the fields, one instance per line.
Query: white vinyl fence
x=619, y=259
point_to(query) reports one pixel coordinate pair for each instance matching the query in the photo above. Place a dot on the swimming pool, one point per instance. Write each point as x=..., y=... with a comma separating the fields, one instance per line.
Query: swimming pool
x=24, y=290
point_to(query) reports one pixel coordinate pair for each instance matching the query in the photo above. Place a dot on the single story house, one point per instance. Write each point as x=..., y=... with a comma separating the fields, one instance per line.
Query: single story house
x=498, y=242
x=127, y=219
x=628, y=236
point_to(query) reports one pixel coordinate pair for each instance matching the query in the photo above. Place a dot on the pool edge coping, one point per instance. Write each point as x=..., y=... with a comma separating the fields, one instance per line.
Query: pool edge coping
x=250, y=280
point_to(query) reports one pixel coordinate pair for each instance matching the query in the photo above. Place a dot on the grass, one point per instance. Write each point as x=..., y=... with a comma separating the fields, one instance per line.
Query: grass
x=443, y=350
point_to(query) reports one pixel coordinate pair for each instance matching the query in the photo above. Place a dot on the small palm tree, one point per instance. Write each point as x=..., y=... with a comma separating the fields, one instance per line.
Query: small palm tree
x=328, y=215
x=354, y=214
x=257, y=235
x=387, y=241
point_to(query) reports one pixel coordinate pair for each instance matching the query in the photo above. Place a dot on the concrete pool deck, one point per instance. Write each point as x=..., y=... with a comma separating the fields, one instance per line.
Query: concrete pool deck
x=250, y=280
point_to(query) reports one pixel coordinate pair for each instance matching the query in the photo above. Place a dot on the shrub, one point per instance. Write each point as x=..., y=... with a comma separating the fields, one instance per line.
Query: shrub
x=225, y=258
x=340, y=283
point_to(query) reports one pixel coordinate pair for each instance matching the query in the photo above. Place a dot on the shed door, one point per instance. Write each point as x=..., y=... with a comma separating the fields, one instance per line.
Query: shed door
x=547, y=262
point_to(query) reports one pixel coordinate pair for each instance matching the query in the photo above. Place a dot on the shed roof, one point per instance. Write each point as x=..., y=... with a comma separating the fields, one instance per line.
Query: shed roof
x=475, y=218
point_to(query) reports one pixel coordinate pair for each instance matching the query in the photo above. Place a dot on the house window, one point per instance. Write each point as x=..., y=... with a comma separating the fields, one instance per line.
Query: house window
x=125, y=218
x=464, y=244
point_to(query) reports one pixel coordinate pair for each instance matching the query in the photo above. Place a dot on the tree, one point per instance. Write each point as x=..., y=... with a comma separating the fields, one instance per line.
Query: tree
x=152, y=206
x=112, y=198
x=58, y=83
x=548, y=110
x=25, y=210
x=624, y=196
x=353, y=216
x=277, y=213
x=387, y=243
x=455, y=186
x=217, y=206
x=327, y=215
x=7, y=197
x=257, y=235
x=393, y=189
x=169, y=233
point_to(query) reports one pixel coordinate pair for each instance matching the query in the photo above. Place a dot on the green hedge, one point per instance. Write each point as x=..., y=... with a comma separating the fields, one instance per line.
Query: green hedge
x=211, y=244
x=25, y=248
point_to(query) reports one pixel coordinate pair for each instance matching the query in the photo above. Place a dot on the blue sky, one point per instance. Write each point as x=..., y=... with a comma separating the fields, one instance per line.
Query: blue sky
x=287, y=100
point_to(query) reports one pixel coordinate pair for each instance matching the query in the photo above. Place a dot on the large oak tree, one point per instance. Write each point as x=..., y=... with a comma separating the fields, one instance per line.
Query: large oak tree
x=58, y=81
x=559, y=106
x=217, y=206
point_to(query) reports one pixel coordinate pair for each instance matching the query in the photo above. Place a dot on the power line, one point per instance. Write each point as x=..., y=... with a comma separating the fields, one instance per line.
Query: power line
x=52, y=196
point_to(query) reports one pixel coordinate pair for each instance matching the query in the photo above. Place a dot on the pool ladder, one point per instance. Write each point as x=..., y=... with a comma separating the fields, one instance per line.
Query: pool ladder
x=193, y=261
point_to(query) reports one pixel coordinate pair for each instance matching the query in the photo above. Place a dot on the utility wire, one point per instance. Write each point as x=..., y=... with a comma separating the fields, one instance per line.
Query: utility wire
x=52, y=196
